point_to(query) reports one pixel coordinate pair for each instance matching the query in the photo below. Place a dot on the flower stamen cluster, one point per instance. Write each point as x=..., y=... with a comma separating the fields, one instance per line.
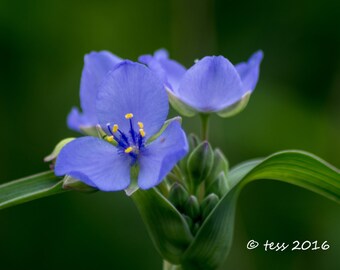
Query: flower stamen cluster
x=131, y=144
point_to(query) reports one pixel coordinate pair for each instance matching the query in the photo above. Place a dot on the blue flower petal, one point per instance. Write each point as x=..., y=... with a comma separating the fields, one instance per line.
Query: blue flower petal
x=168, y=70
x=132, y=88
x=95, y=162
x=249, y=71
x=211, y=85
x=76, y=120
x=161, y=156
x=96, y=66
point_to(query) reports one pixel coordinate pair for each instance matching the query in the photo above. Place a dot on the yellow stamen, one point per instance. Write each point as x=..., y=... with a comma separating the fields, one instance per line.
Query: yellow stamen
x=110, y=138
x=128, y=115
x=141, y=125
x=115, y=128
x=142, y=132
x=128, y=150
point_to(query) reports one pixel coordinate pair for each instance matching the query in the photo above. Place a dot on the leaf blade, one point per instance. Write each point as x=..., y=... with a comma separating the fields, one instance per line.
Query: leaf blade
x=29, y=188
x=213, y=241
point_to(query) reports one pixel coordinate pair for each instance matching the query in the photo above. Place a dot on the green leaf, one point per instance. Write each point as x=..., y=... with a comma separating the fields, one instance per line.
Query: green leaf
x=30, y=188
x=295, y=167
x=213, y=241
x=167, y=228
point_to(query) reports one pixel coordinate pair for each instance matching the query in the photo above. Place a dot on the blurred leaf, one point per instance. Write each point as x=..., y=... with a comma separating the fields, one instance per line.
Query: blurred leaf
x=213, y=240
x=169, y=231
x=30, y=188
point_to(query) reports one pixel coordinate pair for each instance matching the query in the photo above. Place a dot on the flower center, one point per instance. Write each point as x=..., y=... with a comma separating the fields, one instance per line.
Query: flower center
x=128, y=144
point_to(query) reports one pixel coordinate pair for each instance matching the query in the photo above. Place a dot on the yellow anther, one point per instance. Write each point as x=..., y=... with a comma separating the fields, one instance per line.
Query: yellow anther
x=128, y=150
x=128, y=115
x=142, y=132
x=110, y=138
x=115, y=128
x=141, y=125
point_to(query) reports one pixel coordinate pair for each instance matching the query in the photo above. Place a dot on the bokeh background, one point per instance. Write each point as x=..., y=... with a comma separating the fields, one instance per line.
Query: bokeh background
x=295, y=106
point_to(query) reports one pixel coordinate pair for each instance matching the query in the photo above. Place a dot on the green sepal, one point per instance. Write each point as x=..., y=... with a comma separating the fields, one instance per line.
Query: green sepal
x=166, y=123
x=71, y=183
x=90, y=131
x=57, y=149
x=213, y=240
x=235, y=108
x=200, y=163
x=167, y=228
x=181, y=107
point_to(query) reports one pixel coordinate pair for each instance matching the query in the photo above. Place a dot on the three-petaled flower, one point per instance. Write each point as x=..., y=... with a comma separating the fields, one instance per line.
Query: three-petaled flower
x=212, y=84
x=131, y=106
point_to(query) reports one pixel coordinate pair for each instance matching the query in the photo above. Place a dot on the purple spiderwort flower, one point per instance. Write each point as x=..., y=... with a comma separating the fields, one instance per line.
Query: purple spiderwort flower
x=212, y=84
x=131, y=107
x=96, y=66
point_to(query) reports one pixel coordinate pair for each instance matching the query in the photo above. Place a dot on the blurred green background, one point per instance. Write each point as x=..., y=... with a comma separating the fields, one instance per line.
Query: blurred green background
x=295, y=106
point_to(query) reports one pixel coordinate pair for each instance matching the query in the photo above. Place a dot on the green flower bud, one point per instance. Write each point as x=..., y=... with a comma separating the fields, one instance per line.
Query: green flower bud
x=200, y=163
x=192, y=207
x=220, y=186
x=189, y=221
x=71, y=183
x=194, y=141
x=178, y=196
x=220, y=165
x=209, y=204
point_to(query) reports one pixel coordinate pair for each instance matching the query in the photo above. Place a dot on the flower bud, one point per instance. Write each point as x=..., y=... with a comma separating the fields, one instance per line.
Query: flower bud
x=71, y=183
x=178, y=196
x=194, y=141
x=220, y=186
x=209, y=204
x=189, y=221
x=200, y=163
x=220, y=165
x=192, y=207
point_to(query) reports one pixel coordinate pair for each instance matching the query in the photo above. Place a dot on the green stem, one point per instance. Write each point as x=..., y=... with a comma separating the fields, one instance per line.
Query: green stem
x=204, y=126
x=169, y=266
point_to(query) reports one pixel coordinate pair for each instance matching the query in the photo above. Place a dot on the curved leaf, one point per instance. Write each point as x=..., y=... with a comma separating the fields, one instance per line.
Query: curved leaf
x=169, y=231
x=30, y=188
x=213, y=241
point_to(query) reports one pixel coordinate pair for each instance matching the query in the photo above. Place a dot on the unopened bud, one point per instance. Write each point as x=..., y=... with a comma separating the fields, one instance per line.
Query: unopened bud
x=178, y=195
x=200, y=163
x=220, y=165
x=209, y=204
x=220, y=186
x=192, y=207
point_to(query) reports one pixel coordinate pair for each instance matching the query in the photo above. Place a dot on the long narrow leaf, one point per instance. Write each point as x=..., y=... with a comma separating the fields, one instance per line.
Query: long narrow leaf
x=29, y=188
x=213, y=241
